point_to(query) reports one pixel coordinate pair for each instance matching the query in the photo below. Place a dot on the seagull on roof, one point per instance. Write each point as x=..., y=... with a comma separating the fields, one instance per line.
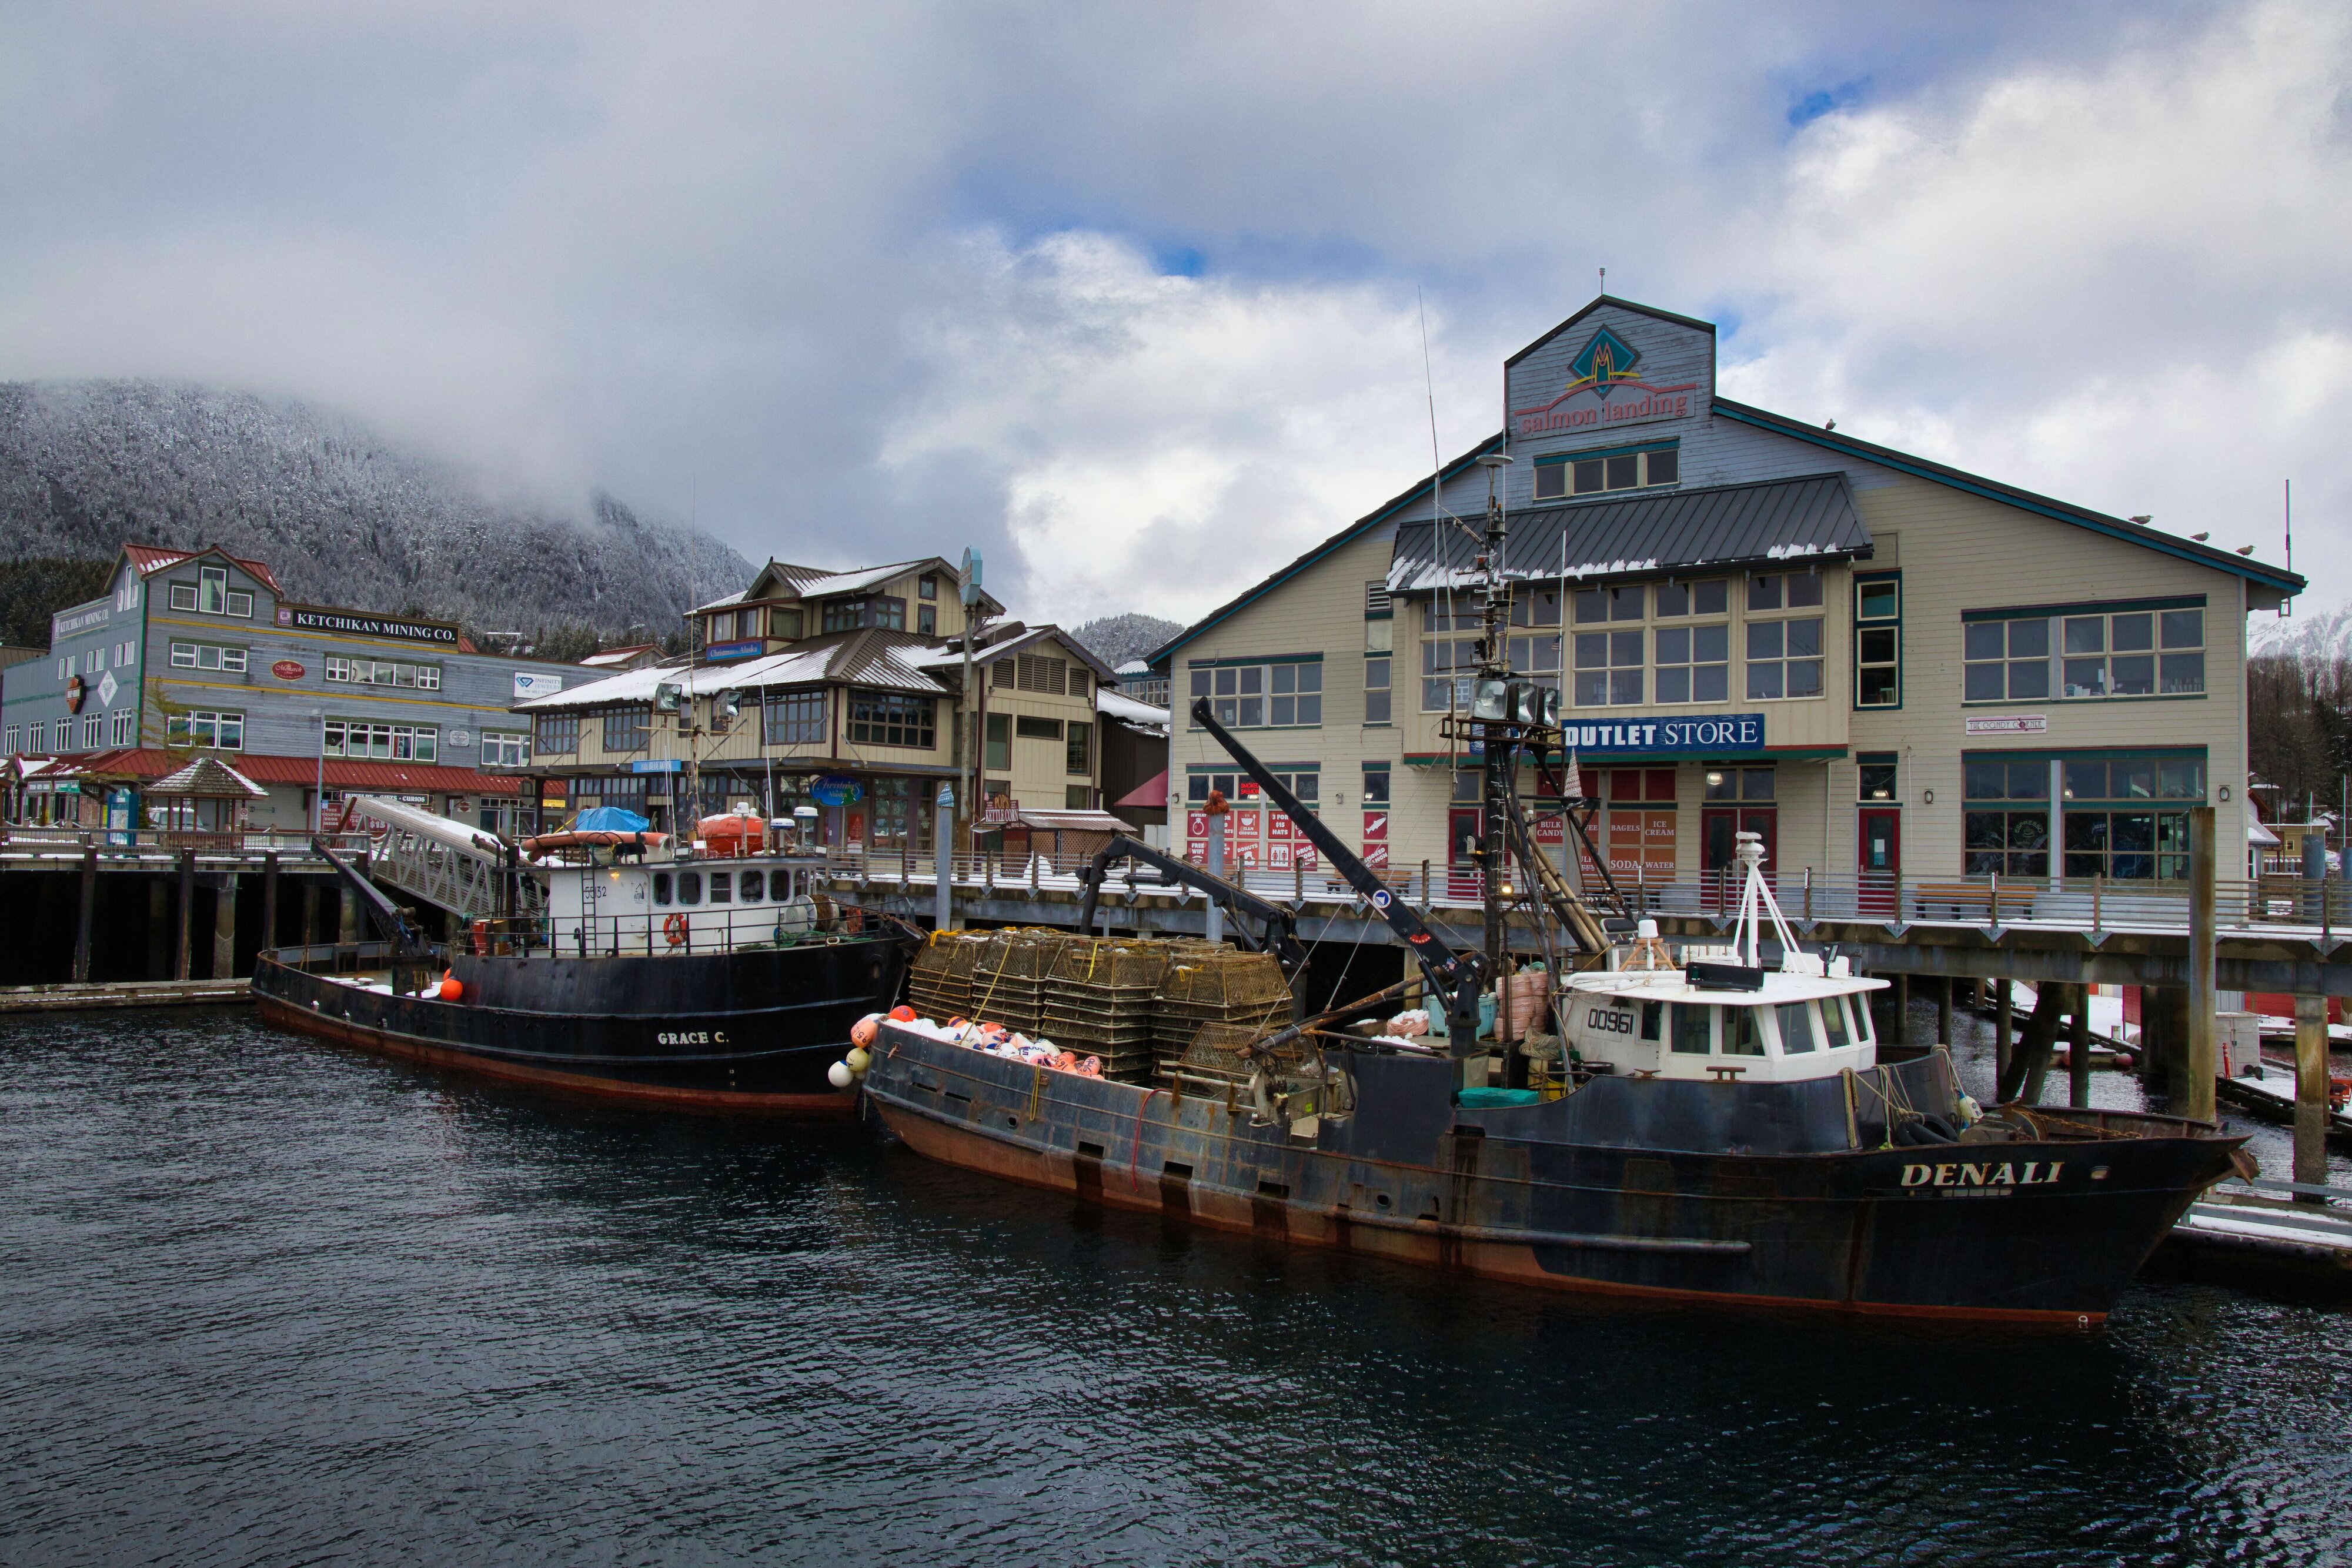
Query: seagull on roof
x=2245, y=549
x=2200, y=539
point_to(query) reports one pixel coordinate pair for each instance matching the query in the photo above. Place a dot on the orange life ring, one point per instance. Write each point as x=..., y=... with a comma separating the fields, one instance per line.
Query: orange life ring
x=674, y=929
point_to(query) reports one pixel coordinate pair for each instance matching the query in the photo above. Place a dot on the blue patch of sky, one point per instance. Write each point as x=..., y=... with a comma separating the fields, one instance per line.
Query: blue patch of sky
x=1821, y=101
x=1180, y=261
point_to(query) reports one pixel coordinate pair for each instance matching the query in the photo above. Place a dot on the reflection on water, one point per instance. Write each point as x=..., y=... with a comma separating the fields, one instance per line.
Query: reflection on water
x=265, y=1301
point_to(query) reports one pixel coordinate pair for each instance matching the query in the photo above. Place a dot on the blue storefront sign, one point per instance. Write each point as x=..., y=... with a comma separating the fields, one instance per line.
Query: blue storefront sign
x=1711, y=735
x=658, y=765
x=834, y=789
x=732, y=650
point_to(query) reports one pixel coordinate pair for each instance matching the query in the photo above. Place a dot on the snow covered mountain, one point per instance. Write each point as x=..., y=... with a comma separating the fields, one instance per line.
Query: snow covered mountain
x=2312, y=632
x=343, y=516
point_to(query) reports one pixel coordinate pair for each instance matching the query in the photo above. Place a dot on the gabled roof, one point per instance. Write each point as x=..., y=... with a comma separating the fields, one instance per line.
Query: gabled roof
x=783, y=580
x=1809, y=519
x=1598, y=301
x=2121, y=528
x=209, y=778
x=149, y=559
x=950, y=654
x=611, y=656
x=1345, y=536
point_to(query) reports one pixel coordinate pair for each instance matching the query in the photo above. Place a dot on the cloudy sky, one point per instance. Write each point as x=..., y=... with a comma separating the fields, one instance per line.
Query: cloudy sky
x=1131, y=296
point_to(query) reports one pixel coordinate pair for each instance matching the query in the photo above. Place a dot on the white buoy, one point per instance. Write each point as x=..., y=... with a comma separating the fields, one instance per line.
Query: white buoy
x=839, y=1075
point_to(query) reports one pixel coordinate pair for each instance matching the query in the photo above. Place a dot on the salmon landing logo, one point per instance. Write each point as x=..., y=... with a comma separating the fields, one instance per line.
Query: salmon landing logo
x=1606, y=362
x=1606, y=385
x=1986, y=1177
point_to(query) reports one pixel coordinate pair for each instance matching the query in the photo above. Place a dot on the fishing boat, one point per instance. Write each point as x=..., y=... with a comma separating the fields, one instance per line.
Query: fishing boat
x=717, y=976
x=1719, y=1127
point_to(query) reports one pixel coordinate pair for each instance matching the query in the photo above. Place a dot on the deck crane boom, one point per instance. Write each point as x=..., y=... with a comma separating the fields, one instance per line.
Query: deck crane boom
x=1456, y=976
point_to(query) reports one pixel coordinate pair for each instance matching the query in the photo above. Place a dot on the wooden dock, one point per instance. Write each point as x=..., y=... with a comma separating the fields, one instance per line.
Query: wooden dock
x=2244, y=1229
x=63, y=998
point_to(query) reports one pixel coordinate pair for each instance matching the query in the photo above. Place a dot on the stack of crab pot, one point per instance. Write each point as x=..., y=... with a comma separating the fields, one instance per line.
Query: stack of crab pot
x=939, y=985
x=1101, y=1000
x=1208, y=985
x=1008, y=978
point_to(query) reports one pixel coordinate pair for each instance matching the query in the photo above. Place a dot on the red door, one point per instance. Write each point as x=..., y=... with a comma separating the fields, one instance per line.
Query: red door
x=1879, y=857
x=1461, y=837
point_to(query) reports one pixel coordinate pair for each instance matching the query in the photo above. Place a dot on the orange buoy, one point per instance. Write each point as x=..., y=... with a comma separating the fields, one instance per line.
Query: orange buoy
x=452, y=989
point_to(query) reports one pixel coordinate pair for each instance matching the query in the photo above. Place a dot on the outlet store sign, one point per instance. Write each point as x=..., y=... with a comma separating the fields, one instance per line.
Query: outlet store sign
x=1711, y=735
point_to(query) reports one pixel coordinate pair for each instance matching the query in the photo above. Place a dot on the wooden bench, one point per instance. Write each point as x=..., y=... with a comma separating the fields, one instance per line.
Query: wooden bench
x=1951, y=900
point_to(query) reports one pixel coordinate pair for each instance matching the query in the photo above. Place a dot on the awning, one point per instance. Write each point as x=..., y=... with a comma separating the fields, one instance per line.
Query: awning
x=1149, y=795
x=1042, y=820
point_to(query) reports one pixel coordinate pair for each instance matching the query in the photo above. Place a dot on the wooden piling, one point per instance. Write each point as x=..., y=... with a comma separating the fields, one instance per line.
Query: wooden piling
x=179, y=952
x=2078, y=1049
x=86, y=914
x=225, y=928
x=310, y=911
x=2004, y=1027
x=1944, y=1011
x=159, y=927
x=269, y=900
x=2311, y=1090
x=1902, y=1009
x=2197, y=1098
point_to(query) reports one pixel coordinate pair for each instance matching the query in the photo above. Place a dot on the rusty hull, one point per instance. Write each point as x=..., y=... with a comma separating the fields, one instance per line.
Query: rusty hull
x=2039, y=1230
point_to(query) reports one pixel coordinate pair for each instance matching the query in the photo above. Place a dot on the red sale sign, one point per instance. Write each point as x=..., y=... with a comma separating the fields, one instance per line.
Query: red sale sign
x=1376, y=856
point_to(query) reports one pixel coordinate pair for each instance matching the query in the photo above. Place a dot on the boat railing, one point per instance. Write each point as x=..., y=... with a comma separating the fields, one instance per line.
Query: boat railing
x=688, y=932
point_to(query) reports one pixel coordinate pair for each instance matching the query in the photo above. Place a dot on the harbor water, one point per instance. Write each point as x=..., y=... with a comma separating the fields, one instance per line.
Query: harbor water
x=265, y=1301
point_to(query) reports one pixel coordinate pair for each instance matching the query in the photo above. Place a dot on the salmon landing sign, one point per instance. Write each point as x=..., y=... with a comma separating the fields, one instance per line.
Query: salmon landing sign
x=1605, y=386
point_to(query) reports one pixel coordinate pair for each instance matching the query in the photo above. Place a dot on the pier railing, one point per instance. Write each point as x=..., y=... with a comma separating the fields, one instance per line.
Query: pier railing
x=2266, y=906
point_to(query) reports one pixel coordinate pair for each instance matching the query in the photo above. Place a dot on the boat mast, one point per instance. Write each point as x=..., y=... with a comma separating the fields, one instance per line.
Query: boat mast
x=1497, y=751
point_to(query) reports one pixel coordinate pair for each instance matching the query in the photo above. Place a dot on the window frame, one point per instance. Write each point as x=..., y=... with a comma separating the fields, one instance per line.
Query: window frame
x=794, y=717
x=1248, y=694
x=902, y=721
x=1890, y=623
x=555, y=734
x=1558, y=476
x=1379, y=695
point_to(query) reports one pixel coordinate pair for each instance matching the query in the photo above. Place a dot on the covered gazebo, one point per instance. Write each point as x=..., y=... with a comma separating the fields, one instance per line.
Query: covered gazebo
x=199, y=805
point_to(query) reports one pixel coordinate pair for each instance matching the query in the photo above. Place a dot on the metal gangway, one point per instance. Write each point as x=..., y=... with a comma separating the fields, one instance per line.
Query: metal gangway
x=443, y=863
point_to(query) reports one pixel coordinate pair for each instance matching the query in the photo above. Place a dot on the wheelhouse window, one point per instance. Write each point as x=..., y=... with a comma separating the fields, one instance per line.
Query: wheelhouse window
x=1693, y=1030
x=1795, y=1022
x=893, y=718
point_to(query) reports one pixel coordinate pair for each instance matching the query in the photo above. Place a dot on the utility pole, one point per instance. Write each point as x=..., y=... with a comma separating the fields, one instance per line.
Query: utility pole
x=974, y=711
x=1499, y=765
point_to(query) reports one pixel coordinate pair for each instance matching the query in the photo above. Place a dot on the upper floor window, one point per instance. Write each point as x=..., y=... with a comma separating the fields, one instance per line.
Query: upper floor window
x=1575, y=474
x=796, y=719
x=927, y=586
x=1376, y=690
x=555, y=734
x=719, y=629
x=849, y=614
x=2117, y=653
x=1078, y=748
x=505, y=748
x=1784, y=656
x=1253, y=696
x=1878, y=642
x=628, y=728
x=205, y=656
x=345, y=670
x=927, y=619
x=203, y=726
x=892, y=718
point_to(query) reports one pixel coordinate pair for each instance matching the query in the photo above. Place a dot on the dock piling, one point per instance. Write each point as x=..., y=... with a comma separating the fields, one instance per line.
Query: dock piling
x=85, y=913
x=225, y=928
x=2004, y=1027
x=2078, y=1049
x=2198, y=1101
x=1944, y=1011
x=2311, y=1090
x=179, y=953
x=269, y=900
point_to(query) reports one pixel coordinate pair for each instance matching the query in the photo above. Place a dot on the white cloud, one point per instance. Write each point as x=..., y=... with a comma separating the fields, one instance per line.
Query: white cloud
x=1167, y=440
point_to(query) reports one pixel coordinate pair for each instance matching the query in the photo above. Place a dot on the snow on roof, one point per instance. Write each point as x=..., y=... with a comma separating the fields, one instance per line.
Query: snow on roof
x=152, y=558
x=1134, y=667
x=722, y=602
x=854, y=657
x=1110, y=704
x=852, y=581
x=617, y=655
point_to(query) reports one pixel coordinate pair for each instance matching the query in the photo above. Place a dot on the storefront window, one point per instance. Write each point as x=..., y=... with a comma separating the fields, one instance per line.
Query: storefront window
x=2005, y=826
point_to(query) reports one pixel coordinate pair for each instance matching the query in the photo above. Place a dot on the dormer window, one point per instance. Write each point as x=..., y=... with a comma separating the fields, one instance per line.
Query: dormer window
x=720, y=628
x=928, y=586
x=1619, y=468
x=851, y=614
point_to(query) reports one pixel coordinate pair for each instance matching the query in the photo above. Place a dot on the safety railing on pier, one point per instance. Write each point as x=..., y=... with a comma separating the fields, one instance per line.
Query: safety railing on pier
x=2268, y=906
x=131, y=845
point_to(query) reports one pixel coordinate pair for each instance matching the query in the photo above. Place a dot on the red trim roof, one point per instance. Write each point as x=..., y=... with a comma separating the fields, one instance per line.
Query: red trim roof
x=152, y=558
x=405, y=777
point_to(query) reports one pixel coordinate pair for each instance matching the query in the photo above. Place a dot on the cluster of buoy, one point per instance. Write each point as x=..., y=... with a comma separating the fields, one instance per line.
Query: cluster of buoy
x=995, y=1039
x=862, y=1035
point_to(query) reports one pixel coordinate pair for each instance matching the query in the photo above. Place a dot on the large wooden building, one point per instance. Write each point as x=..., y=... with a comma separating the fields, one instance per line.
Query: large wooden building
x=1876, y=661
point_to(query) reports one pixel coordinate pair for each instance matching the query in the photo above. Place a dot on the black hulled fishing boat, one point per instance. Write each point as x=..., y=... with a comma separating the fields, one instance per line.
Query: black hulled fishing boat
x=719, y=978
x=1722, y=1128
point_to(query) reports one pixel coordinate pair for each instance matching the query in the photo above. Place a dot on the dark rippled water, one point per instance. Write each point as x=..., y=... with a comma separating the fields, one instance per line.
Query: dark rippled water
x=263, y=1301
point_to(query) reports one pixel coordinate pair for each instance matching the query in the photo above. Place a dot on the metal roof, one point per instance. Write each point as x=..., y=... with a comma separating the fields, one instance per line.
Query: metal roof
x=1807, y=518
